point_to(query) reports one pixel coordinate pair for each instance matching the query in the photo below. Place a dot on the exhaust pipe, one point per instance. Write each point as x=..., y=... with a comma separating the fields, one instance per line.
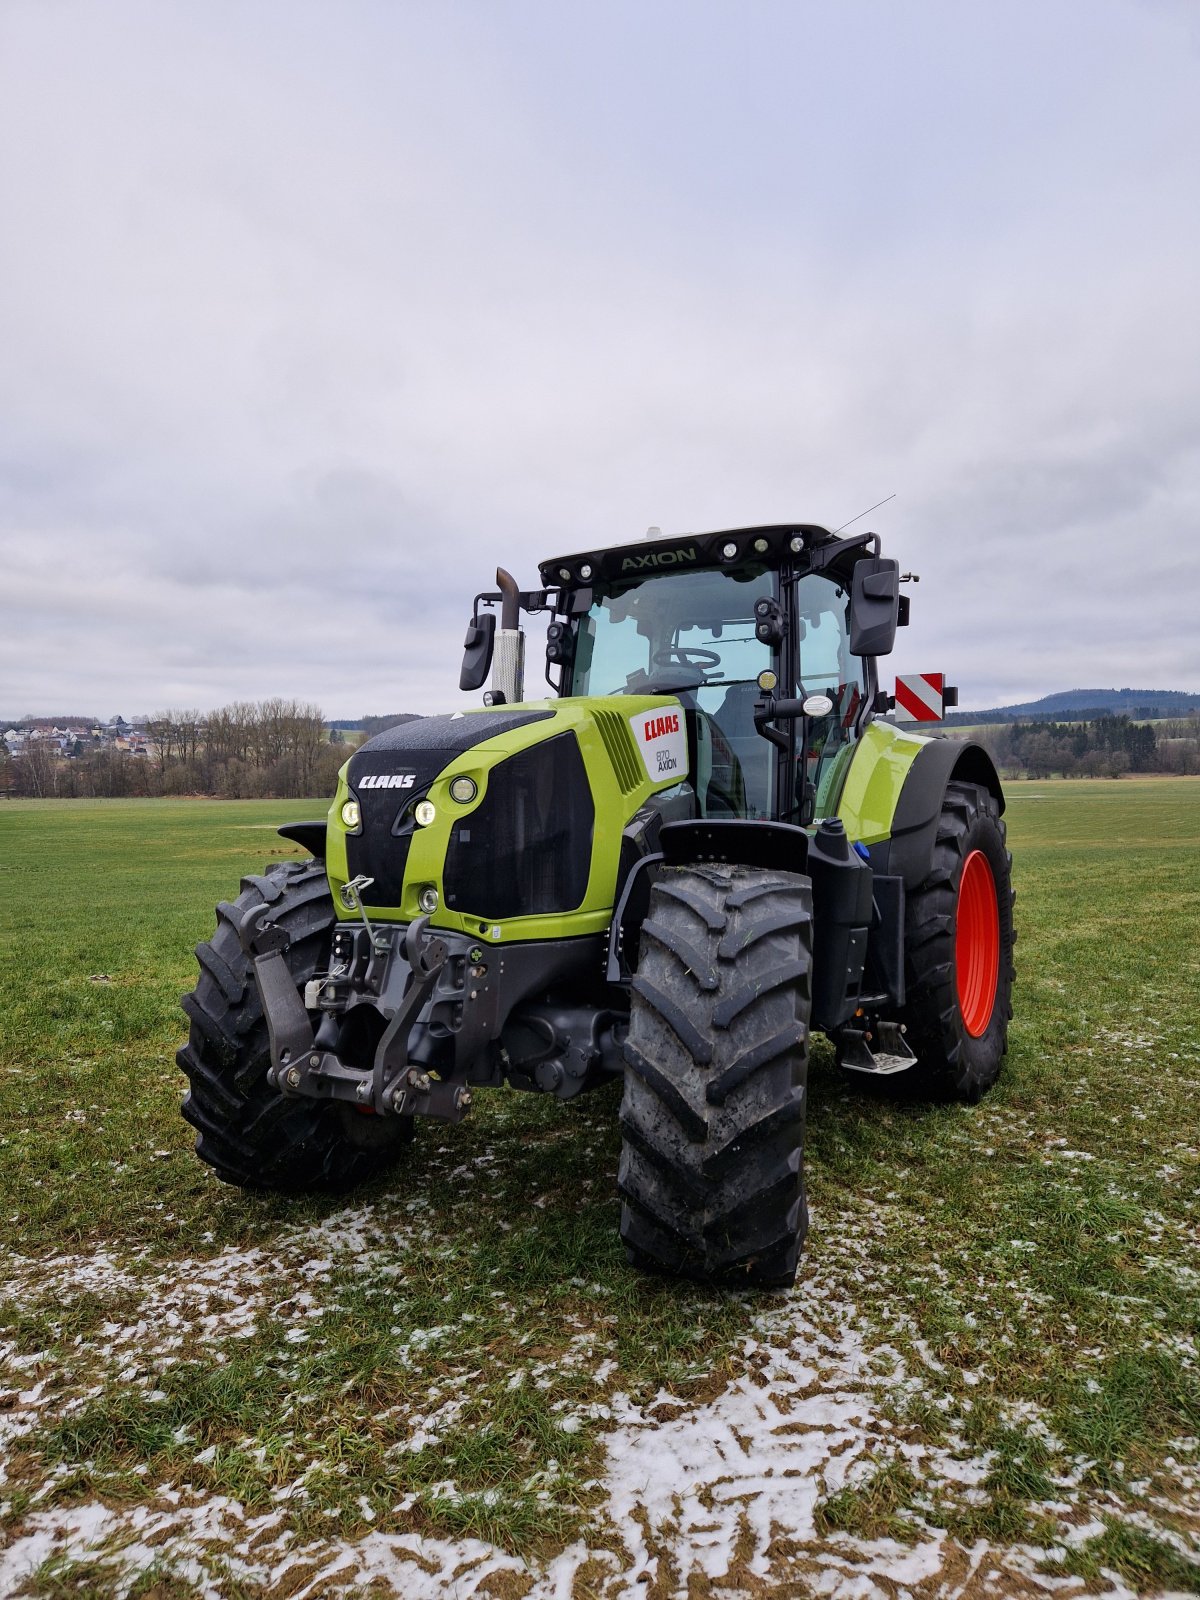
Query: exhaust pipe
x=508, y=663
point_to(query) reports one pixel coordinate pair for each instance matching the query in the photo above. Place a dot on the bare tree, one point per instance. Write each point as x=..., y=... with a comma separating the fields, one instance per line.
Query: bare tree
x=37, y=774
x=189, y=726
x=160, y=730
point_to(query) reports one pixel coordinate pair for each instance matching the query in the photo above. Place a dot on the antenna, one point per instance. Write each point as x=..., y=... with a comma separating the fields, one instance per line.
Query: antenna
x=867, y=512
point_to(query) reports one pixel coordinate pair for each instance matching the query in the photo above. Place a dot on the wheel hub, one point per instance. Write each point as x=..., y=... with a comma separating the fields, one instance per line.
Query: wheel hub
x=977, y=944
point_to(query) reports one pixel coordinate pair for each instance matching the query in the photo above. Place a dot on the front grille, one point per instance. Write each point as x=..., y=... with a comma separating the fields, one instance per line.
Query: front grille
x=526, y=849
x=380, y=851
x=408, y=758
x=622, y=752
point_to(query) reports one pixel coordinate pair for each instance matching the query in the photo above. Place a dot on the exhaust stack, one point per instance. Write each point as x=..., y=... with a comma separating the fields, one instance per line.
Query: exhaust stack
x=508, y=663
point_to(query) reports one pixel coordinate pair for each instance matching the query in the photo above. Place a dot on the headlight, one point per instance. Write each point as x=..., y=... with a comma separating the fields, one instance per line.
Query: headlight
x=428, y=899
x=463, y=790
x=424, y=811
x=351, y=814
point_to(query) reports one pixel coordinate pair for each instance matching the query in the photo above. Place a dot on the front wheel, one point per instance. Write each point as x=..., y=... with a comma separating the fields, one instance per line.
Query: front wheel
x=248, y=1132
x=959, y=937
x=712, y=1120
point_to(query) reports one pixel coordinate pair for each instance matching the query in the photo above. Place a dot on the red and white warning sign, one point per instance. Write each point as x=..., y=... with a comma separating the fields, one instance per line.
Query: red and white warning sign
x=923, y=697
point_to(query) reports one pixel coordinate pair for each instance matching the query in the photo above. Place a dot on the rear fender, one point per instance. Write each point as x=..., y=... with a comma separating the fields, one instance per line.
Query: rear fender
x=909, y=852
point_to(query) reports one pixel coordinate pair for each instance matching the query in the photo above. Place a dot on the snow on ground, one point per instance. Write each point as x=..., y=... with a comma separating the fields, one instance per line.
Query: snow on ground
x=724, y=1489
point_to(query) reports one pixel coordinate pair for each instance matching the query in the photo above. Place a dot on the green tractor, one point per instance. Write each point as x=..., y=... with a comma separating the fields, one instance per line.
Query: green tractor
x=703, y=845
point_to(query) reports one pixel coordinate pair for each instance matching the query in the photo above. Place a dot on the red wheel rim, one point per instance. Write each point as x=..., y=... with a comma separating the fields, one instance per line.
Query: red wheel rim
x=977, y=944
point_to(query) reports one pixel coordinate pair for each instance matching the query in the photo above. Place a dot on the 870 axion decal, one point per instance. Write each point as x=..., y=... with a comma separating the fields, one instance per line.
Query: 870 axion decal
x=662, y=739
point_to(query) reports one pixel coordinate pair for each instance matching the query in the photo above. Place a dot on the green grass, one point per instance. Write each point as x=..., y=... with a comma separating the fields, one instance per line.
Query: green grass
x=60, y=1578
x=1032, y=1258
x=1141, y=1559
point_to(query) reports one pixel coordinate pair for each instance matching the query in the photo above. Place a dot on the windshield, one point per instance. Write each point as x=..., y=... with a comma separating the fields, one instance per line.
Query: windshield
x=691, y=633
x=685, y=629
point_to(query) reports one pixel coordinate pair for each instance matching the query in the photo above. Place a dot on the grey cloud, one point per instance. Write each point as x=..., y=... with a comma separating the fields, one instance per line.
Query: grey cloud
x=307, y=324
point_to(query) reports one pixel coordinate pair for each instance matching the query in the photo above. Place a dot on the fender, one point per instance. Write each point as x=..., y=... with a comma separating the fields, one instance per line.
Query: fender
x=309, y=835
x=651, y=843
x=739, y=841
x=908, y=852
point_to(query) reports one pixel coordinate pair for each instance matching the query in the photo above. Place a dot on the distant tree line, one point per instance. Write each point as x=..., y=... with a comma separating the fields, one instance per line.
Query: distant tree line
x=282, y=749
x=270, y=748
x=1108, y=747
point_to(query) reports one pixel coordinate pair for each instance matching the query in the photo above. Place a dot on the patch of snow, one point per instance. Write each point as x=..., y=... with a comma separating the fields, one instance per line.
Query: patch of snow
x=726, y=1489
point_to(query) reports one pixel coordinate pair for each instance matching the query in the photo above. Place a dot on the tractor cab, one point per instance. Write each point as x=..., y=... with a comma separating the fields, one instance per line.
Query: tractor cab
x=767, y=637
x=696, y=634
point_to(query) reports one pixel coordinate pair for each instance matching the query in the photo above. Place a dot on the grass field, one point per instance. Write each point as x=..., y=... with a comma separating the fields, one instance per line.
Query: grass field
x=986, y=1381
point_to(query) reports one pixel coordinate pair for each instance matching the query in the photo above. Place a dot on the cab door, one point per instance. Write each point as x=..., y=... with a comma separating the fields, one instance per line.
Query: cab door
x=826, y=667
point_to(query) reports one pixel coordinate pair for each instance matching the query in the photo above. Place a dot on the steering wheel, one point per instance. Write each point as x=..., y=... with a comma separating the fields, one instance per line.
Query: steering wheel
x=685, y=655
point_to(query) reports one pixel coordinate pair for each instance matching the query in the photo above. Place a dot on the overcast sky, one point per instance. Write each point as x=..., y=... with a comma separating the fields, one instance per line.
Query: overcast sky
x=309, y=314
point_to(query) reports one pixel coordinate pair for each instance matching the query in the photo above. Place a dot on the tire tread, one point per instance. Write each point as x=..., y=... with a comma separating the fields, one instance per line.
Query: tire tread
x=711, y=1174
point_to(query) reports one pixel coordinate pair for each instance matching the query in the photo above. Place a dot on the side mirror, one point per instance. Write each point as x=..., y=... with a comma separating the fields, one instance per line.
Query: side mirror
x=477, y=651
x=874, y=607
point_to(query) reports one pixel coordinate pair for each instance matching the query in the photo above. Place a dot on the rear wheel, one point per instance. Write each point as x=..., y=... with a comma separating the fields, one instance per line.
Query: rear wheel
x=959, y=937
x=712, y=1118
x=249, y=1133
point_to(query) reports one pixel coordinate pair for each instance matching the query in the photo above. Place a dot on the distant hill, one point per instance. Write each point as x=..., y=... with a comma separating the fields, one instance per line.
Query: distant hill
x=56, y=722
x=1085, y=705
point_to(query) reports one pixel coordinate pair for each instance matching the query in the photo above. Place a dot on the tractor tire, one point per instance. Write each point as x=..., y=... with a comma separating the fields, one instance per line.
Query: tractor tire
x=716, y=1064
x=249, y=1133
x=959, y=941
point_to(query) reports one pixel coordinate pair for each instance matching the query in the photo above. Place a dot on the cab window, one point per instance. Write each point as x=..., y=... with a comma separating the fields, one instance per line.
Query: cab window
x=827, y=667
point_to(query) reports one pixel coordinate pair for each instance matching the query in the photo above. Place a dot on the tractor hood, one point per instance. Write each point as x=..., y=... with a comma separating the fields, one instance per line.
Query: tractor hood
x=411, y=755
x=508, y=820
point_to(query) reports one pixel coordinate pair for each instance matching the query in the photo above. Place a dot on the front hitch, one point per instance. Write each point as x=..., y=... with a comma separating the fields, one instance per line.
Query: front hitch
x=301, y=1067
x=393, y=1087
x=288, y=1026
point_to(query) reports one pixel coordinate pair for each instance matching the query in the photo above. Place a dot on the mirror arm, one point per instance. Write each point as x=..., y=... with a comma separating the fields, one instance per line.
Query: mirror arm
x=531, y=600
x=790, y=711
x=765, y=711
